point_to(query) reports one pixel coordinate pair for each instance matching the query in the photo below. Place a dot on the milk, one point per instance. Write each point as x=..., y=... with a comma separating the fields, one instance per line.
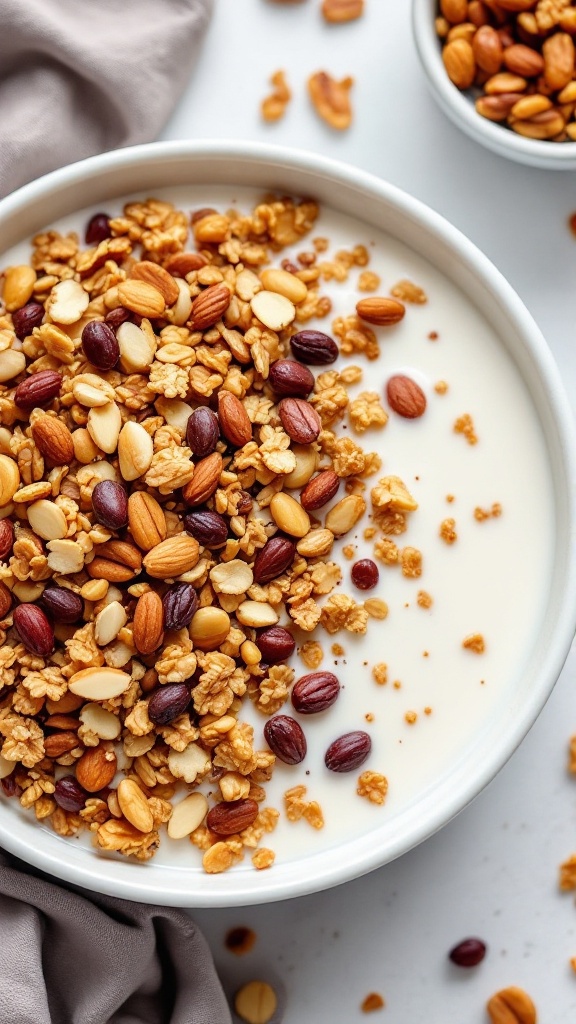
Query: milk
x=494, y=580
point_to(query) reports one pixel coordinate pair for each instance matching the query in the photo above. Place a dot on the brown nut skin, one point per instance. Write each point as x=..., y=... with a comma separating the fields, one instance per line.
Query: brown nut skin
x=276, y=644
x=6, y=539
x=25, y=319
x=209, y=528
x=286, y=739
x=168, y=702
x=180, y=602
x=110, y=504
x=300, y=420
x=315, y=692
x=34, y=629
x=69, y=795
x=63, y=605
x=205, y=480
x=202, y=432
x=5, y=600
x=320, y=490
x=38, y=389
x=233, y=419
x=468, y=953
x=290, y=379
x=273, y=559
x=348, y=752
x=98, y=229
x=227, y=818
x=96, y=768
x=54, y=440
x=100, y=345
x=314, y=348
x=405, y=397
x=148, y=625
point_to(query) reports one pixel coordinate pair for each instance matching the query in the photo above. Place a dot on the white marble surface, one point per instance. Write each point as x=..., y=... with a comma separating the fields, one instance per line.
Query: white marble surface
x=493, y=871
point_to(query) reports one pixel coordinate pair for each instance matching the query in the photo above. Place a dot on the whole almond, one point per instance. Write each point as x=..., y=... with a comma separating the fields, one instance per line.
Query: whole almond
x=300, y=420
x=233, y=418
x=172, y=557
x=148, y=626
x=53, y=440
x=458, y=58
x=134, y=805
x=286, y=739
x=34, y=629
x=38, y=389
x=157, y=276
x=141, y=297
x=314, y=348
x=348, y=752
x=276, y=644
x=135, y=450
x=116, y=561
x=60, y=743
x=168, y=702
x=558, y=54
x=273, y=559
x=291, y=379
x=209, y=528
x=205, y=480
x=488, y=49
x=24, y=320
x=209, y=306
x=67, y=723
x=522, y=60
x=110, y=504
x=320, y=490
x=511, y=1006
x=63, y=604
x=6, y=538
x=315, y=692
x=225, y=819
x=5, y=600
x=202, y=431
x=180, y=603
x=146, y=520
x=96, y=768
x=405, y=397
x=455, y=11
x=69, y=795
x=380, y=310
x=183, y=263
x=9, y=479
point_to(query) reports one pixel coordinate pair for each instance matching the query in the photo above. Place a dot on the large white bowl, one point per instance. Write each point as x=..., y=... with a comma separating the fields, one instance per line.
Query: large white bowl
x=143, y=170
x=459, y=106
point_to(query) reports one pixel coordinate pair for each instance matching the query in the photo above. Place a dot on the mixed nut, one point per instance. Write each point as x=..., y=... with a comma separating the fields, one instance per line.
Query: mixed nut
x=166, y=456
x=519, y=58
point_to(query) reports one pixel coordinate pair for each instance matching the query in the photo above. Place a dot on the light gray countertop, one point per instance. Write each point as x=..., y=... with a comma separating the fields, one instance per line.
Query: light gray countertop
x=493, y=871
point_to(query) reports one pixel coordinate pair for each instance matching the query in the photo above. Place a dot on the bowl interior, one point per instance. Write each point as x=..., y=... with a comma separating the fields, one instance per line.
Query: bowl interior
x=459, y=106
x=144, y=171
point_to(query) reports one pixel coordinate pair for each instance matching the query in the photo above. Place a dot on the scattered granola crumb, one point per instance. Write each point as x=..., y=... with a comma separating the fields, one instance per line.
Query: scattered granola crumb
x=370, y=532
x=573, y=963
x=385, y=550
x=337, y=650
x=441, y=387
x=240, y=940
x=369, y=716
x=331, y=99
x=411, y=717
x=373, y=786
x=433, y=336
x=380, y=673
x=368, y=281
x=465, y=425
x=474, y=642
x=487, y=513
x=366, y=411
x=263, y=858
x=372, y=1002
x=411, y=562
x=407, y=291
x=447, y=531
x=572, y=756
x=376, y=608
x=274, y=106
x=297, y=807
x=320, y=244
x=424, y=599
x=427, y=710
x=397, y=684
x=349, y=551
x=312, y=654
x=568, y=874
x=450, y=498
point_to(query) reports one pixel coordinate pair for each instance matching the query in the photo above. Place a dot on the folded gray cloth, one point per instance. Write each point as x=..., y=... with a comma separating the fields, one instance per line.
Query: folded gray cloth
x=79, y=77
x=69, y=959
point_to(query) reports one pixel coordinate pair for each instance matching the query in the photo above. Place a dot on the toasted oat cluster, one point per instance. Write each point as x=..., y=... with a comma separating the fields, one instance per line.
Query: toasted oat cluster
x=166, y=454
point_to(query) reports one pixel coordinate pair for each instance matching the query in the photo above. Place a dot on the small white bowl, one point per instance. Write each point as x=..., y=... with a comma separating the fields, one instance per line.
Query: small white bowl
x=459, y=106
x=176, y=878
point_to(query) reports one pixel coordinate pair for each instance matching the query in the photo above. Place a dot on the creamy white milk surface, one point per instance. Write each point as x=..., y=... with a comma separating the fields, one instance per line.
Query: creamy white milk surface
x=493, y=580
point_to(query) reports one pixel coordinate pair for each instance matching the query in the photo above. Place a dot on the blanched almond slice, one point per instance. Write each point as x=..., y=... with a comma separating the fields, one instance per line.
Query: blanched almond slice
x=99, y=683
x=256, y=614
x=47, y=520
x=104, y=423
x=6, y=767
x=284, y=283
x=109, y=622
x=188, y=763
x=136, y=348
x=187, y=815
x=66, y=556
x=67, y=302
x=275, y=311
x=135, y=450
x=134, y=805
x=101, y=722
x=175, y=412
x=233, y=577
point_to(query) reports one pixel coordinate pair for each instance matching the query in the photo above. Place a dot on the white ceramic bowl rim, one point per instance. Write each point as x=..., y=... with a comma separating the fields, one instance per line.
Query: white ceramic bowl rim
x=66, y=860
x=460, y=109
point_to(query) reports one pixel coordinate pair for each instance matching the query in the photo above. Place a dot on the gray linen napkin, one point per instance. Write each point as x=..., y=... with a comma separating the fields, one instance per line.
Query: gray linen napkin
x=67, y=959
x=79, y=77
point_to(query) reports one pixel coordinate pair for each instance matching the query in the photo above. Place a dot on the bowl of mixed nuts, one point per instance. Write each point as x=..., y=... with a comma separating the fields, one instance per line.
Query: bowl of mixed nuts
x=504, y=72
x=267, y=618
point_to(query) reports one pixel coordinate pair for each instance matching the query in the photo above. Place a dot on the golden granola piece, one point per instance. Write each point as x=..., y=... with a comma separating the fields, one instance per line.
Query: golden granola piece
x=311, y=653
x=391, y=493
x=219, y=683
x=380, y=673
x=297, y=807
x=366, y=411
x=24, y=739
x=465, y=425
x=306, y=615
x=273, y=689
x=263, y=858
x=373, y=786
x=475, y=643
x=177, y=661
x=342, y=612
x=407, y=291
x=567, y=879
x=273, y=107
x=411, y=562
x=424, y=600
x=355, y=336
x=387, y=551
x=49, y=682
x=123, y=838
x=447, y=531
x=221, y=856
x=274, y=451
x=170, y=469
x=138, y=722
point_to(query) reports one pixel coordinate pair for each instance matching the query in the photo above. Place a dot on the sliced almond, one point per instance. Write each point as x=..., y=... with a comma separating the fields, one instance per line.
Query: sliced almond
x=6, y=767
x=100, y=721
x=136, y=348
x=109, y=622
x=104, y=423
x=135, y=450
x=256, y=614
x=134, y=805
x=233, y=577
x=66, y=556
x=18, y=286
x=187, y=815
x=175, y=412
x=67, y=302
x=47, y=520
x=12, y=362
x=345, y=514
x=99, y=683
